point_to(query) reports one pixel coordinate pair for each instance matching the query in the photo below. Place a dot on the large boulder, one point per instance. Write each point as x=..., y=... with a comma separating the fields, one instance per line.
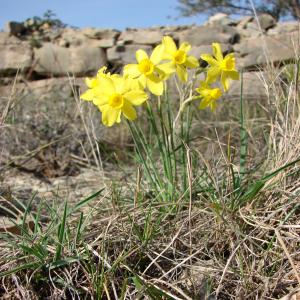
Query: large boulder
x=59, y=61
x=125, y=54
x=205, y=35
x=15, y=55
x=266, y=49
x=207, y=49
x=144, y=37
x=253, y=87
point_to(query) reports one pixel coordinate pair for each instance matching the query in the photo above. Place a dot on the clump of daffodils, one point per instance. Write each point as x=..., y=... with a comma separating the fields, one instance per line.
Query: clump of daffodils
x=117, y=95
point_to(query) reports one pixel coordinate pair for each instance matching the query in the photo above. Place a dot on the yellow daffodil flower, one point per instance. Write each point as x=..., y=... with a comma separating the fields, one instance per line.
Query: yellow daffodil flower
x=93, y=84
x=114, y=95
x=147, y=70
x=220, y=66
x=117, y=97
x=208, y=95
x=179, y=58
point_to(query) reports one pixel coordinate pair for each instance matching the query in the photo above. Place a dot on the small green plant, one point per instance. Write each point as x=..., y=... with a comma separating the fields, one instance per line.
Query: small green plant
x=47, y=21
x=163, y=150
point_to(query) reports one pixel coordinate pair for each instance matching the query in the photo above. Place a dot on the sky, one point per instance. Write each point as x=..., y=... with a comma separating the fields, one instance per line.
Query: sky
x=118, y=14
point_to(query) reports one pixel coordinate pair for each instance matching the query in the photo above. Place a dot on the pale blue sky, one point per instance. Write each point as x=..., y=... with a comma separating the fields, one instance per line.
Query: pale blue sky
x=117, y=14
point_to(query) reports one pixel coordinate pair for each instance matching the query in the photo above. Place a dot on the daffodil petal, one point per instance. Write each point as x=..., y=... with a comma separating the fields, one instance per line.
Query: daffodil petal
x=213, y=106
x=119, y=84
x=212, y=74
x=140, y=55
x=157, y=54
x=110, y=116
x=103, y=107
x=101, y=100
x=119, y=117
x=143, y=81
x=169, y=45
x=87, y=95
x=204, y=103
x=132, y=70
x=225, y=81
x=129, y=111
x=234, y=75
x=217, y=51
x=229, y=56
x=136, y=97
x=91, y=82
x=107, y=85
x=101, y=72
x=192, y=62
x=182, y=73
x=186, y=47
x=209, y=59
x=155, y=86
x=167, y=68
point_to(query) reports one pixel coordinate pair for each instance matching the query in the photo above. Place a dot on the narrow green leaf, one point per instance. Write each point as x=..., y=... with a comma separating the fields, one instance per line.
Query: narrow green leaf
x=87, y=200
x=61, y=234
x=32, y=265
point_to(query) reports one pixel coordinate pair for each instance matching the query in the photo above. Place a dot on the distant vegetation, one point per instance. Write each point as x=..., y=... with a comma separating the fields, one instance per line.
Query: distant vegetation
x=276, y=8
x=48, y=20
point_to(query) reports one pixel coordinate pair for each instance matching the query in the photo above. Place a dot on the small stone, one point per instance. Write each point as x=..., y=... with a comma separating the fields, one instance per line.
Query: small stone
x=15, y=28
x=94, y=33
x=266, y=21
x=220, y=19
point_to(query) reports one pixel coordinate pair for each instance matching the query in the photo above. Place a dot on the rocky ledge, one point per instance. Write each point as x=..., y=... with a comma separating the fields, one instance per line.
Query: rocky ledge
x=51, y=52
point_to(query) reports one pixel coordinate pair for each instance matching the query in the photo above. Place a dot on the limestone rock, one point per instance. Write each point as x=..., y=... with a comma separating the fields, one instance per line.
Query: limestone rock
x=14, y=57
x=286, y=27
x=58, y=61
x=144, y=37
x=14, y=28
x=242, y=23
x=72, y=37
x=6, y=39
x=252, y=30
x=94, y=33
x=266, y=21
x=205, y=35
x=221, y=19
x=259, y=51
x=125, y=54
x=105, y=43
x=253, y=87
x=198, y=50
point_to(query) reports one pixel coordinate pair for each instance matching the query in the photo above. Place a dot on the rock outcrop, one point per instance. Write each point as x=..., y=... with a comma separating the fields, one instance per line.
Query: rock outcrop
x=82, y=51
